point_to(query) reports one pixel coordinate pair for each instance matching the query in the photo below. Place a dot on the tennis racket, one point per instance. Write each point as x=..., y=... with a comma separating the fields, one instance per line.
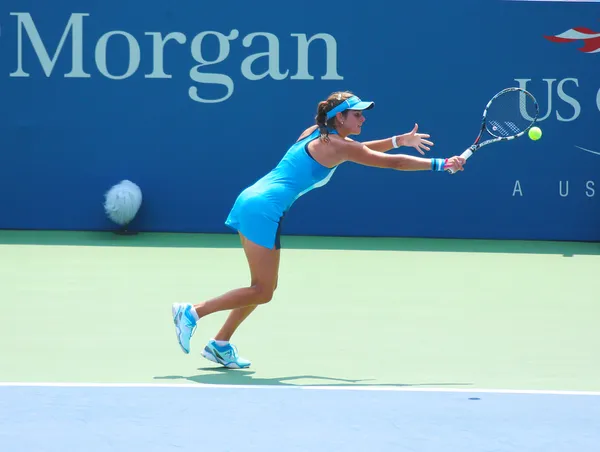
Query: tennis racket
x=508, y=115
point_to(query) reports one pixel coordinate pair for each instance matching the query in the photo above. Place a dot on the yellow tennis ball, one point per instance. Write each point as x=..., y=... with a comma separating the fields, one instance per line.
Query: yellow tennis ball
x=535, y=133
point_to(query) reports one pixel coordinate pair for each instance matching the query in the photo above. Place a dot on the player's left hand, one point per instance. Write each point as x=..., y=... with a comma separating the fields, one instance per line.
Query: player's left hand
x=417, y=140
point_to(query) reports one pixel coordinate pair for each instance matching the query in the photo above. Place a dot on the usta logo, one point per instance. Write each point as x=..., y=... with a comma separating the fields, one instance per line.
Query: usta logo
x=591, y=45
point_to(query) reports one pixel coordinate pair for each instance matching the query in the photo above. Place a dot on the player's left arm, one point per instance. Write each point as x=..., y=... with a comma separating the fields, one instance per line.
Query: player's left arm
x=383, y=145
x=411, y=139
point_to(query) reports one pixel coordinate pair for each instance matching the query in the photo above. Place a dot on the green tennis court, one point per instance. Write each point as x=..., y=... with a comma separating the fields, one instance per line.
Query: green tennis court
x=95, y=307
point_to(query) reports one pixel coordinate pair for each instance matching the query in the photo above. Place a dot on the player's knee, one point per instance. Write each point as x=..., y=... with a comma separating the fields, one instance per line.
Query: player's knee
x=263, y=293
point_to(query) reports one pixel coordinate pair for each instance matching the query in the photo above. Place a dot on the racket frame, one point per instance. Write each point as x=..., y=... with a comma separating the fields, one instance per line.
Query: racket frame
x=478, y=145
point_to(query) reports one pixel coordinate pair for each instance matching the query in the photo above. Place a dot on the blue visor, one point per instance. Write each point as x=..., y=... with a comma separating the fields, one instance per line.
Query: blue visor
x=353, y=103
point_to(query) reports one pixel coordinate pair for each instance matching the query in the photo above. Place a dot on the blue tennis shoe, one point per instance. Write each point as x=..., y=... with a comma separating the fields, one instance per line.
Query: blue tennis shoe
x=226, y=355
x=185, y=324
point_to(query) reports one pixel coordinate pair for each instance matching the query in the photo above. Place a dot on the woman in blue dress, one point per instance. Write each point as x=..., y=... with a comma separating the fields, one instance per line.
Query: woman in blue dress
x=257, y=212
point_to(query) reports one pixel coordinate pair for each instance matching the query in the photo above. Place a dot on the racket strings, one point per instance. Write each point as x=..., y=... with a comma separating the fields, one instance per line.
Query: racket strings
x=509, y=114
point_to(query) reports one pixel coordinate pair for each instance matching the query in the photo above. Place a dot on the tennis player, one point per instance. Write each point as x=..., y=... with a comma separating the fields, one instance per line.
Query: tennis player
x=257, y=212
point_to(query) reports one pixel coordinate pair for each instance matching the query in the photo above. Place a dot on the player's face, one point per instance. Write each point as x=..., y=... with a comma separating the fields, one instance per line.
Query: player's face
x=354, y=122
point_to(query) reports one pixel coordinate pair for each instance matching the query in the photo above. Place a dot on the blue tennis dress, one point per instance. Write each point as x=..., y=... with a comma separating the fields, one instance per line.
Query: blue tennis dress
x=258, y=210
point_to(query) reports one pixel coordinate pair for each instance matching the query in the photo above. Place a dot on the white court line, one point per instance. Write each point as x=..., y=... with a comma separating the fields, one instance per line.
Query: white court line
x=298, y=387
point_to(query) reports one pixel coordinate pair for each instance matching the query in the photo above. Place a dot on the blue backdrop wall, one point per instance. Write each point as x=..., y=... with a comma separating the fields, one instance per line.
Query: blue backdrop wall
x=194, y=100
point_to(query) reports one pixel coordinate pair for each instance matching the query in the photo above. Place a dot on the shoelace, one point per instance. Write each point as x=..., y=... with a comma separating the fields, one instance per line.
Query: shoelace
x=231, y=353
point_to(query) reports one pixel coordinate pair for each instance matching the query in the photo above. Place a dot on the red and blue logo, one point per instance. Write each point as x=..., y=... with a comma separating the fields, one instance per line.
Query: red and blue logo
x=590, y=38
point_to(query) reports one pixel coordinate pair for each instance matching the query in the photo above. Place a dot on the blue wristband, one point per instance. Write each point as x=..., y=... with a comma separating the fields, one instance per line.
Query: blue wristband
x=438, y=164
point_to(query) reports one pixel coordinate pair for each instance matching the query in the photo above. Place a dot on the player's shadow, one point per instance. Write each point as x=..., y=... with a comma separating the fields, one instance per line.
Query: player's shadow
x=228, y=377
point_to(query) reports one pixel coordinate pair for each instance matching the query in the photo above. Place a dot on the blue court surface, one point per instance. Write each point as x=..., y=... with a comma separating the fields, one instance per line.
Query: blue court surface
x=59, y=418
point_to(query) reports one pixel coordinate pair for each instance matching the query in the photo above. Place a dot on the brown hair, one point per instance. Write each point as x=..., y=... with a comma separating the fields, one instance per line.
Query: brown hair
x=329, y=104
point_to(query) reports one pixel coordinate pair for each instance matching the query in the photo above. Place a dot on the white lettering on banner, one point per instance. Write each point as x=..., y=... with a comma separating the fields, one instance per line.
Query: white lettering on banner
x=330, y=59
x=517, y=189
x=202, y=78
x=272, y=56
x=590, y=192
x=568, y=99
x=134, y=55
x=560, y=189
x=210, y=78
x=158, y=52
x=563, y=189
x=598, y=100
x=560, y=90
x=75, y=26
x=524, y=113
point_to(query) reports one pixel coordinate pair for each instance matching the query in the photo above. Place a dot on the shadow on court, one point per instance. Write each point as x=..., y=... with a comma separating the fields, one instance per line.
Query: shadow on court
x=188, y=240
x=226, y=377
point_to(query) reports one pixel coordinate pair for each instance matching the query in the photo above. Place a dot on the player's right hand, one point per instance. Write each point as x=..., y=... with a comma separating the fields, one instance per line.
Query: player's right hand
x=456, y=163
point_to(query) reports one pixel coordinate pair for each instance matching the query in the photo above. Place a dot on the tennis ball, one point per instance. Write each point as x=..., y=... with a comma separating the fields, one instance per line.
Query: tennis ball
x=535, y=133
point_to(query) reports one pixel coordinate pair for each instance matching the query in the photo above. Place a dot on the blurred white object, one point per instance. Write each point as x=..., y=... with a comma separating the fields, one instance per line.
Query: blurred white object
x=123, y=202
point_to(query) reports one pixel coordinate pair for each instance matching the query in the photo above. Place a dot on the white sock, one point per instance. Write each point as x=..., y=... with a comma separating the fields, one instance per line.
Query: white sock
x=222, y=343
x=194, y=314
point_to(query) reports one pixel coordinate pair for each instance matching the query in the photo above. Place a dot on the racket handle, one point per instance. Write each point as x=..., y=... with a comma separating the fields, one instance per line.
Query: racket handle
x=468, y=153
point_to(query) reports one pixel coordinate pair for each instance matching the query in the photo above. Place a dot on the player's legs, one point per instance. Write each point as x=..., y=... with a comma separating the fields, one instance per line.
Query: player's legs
x=264, y=265
x=238, y=315
x=257, y=231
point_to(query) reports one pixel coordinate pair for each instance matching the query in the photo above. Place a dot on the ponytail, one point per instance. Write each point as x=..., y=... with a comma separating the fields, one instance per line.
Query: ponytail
x=327, y=105
x=321, y=120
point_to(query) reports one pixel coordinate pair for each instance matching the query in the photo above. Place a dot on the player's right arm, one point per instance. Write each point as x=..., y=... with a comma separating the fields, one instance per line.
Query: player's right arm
x=363, y=155
x=353, y=151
